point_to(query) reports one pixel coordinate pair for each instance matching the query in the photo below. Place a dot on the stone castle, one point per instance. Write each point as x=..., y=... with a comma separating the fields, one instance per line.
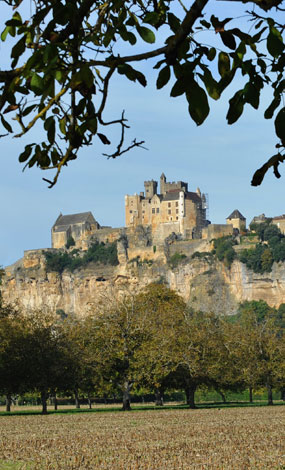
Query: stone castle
x=173, y=210
x=159, y=226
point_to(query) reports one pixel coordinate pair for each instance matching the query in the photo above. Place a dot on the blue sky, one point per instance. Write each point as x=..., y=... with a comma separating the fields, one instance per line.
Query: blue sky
x=218, y=158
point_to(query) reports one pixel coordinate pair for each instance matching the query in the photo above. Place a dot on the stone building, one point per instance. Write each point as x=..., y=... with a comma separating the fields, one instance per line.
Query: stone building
x=280, y=222
x=237, y=220
x=78, y=226
x=174, y=209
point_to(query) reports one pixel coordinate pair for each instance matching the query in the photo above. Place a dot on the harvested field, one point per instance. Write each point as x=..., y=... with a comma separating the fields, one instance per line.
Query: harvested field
x=233, y=438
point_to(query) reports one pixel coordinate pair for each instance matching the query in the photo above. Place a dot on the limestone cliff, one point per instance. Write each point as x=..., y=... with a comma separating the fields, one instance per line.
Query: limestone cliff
x=204, y=283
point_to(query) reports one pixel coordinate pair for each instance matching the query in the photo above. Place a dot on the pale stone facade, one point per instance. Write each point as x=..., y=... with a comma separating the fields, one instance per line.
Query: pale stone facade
x=78, y=226
x=175, y=208
x=216, y=231
x=280, y=222
x=237, y=220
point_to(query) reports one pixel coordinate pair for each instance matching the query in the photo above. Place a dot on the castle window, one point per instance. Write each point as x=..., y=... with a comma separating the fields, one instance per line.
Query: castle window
x=176, y=204
x=132, y=203
x=176, y=218
x=157, y=210
x=169, y=204
x=131, y=212
x=177, y=211
x=153, y=210
x=169, y=211
x=143, y=212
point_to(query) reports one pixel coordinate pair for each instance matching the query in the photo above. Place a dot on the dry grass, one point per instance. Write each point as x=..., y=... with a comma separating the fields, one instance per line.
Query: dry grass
x=236, y=438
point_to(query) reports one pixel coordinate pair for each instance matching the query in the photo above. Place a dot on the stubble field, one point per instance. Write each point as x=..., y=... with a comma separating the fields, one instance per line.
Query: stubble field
x=236, y=438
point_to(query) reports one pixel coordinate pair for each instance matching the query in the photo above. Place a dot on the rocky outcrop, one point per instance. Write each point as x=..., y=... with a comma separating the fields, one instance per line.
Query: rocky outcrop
x=204, y=283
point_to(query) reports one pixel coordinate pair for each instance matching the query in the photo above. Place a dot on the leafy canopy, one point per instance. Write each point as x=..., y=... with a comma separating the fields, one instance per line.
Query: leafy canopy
x=65, y=53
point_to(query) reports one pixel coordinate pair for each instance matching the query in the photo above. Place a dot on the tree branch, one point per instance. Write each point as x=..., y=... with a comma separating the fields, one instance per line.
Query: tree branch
x=42, y=112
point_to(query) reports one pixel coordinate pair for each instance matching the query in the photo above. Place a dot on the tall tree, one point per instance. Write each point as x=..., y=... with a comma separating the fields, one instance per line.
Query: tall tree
x=65, y=55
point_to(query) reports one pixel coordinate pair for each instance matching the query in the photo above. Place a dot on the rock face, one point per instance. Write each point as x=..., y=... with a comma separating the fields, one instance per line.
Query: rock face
x=204, y=283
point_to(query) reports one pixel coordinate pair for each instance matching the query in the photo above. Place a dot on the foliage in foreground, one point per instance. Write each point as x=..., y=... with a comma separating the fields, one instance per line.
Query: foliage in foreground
x=62, y=68
x=149, y=341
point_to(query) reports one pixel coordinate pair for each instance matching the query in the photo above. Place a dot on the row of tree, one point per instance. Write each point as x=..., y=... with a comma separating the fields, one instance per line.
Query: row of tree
x=148, y=341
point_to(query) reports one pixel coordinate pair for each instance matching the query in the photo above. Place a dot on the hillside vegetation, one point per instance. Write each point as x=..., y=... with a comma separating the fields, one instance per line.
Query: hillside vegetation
x=97, y=253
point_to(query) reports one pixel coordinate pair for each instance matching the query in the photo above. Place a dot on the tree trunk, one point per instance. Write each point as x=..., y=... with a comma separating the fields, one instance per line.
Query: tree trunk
x=77, y=403
x=89, y=402
x=190, y=396
x=250, y=395
x=269, y=394
x=158, y=397
x=55, y=402
x=8, y=402
x=44, y=402
x=222, y=395
x=126, y=396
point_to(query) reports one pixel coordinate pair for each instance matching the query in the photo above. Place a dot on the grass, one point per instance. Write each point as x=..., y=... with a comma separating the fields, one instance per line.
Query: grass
x=116, y=408
x=177, y=439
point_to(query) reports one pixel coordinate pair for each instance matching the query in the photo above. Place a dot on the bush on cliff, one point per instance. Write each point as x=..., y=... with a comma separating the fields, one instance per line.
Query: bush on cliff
x=97, y=253
x=223, y=249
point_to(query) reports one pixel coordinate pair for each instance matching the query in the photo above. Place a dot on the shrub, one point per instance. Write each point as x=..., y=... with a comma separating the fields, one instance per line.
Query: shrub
x=176, y=259
x=70, y=242
x=97, y=253
x=223, y=248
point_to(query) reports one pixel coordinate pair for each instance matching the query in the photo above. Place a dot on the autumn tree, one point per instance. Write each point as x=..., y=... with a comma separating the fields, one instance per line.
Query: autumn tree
x=65, y=55
x=257, y=344
x=119, y=332
x=163, y=311
x=14, y=363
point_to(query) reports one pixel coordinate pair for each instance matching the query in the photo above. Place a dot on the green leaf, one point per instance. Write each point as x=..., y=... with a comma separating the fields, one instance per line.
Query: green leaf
x=251, y=95
x=211, y=54
x=29, y=109
x=272, y=107
x=62, y=124
x=104, y=139
x=146, y=34
x=19, y=48
x=275, y=44
x=87, y=75
x=228, y=40
x=59, y=76
x=151, y=18
x=6, y=124
x=4, y=33
x=180, y=87
x=163, y=77
x=37, y=84
x=211, y=84
x=131, y=74
x=173, y=22
x=49, y=126
x=236, y=107
x=205, y=24
x=131, y=38
x=92, y=125
x=26, y=153
x=223, y=64
x=198, y=103
x=280, y=125
x=262, y=65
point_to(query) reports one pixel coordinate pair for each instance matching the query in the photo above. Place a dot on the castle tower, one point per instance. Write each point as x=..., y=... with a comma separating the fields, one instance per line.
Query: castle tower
x=162, y=183
x=150, y=188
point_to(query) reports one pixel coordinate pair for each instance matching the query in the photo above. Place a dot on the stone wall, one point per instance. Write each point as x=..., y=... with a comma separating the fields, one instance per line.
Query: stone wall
x=216, y=230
